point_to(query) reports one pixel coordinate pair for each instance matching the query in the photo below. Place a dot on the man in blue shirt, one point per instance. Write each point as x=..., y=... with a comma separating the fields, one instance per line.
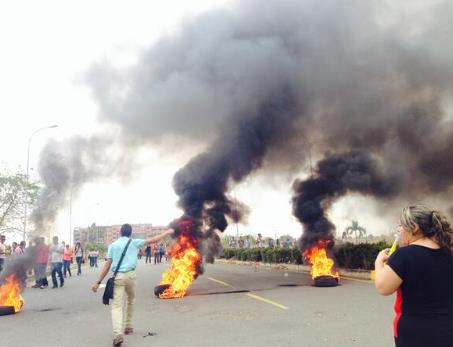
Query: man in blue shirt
x=125, y=278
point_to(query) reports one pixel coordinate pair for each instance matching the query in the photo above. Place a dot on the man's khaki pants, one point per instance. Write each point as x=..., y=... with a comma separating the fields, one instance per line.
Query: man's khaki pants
x=124, y=284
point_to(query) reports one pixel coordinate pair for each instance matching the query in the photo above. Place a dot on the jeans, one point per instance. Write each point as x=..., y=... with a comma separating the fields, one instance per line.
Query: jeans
x=36, y=272
x=95, y=261
x=2, y=263
x=56, y=269
x=79, y=265
x=67, y=267
x=40, y=274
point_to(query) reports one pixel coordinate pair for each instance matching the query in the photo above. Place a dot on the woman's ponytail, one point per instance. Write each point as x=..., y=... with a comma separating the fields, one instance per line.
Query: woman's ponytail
x=431, y=223
x=443, y=232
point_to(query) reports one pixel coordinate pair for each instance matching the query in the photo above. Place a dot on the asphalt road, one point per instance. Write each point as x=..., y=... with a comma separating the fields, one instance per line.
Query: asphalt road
x=230, y=305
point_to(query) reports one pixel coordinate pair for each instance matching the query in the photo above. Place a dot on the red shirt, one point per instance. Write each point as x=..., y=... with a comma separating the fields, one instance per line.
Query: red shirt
x=67, y=254
x=42, y=254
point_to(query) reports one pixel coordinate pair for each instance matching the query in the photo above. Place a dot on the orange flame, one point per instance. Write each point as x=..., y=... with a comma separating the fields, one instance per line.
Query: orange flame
x=321, y=264
x=185, y=260
x=10, y=293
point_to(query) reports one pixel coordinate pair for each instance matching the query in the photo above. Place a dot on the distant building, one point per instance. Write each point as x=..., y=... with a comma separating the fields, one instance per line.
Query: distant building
x=80, y=235
x=105, y=235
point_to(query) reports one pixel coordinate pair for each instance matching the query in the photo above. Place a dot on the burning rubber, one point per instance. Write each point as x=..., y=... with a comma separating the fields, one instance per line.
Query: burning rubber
x=186, y=261
x=6, y=310
x=325, y=281
x=323, y=270
x=158, y=290
x=10, y=299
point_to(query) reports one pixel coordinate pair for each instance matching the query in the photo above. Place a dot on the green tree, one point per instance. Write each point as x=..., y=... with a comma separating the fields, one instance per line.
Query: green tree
x=355, y=229
x=14, y=193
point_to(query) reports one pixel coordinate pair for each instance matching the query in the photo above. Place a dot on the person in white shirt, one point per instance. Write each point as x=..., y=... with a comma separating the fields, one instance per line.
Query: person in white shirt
x=56, y=251
x=78, y=251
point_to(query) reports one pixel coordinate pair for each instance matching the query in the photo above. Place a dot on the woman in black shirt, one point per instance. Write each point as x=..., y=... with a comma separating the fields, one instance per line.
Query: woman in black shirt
x=422, y=276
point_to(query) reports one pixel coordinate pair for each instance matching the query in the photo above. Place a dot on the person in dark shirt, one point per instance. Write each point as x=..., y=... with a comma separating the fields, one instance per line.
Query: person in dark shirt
x=148, y=254
x=421, y=274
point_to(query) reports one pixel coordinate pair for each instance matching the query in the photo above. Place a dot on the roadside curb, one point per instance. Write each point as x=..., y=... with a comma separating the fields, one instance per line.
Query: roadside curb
x=363, y=275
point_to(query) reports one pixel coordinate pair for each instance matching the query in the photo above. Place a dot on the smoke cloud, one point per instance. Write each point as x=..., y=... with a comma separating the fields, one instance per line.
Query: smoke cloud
x=369, y=83
x=17, y=265
x=66, y=166
x=335, y=176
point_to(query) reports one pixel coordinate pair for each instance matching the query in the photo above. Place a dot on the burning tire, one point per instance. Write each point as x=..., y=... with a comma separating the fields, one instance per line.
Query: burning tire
x=160, y=289
x=10, y=299
x=325, y=281
x=6, y=310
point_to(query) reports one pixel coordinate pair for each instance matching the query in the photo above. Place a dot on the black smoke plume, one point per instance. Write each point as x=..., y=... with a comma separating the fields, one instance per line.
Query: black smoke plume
x=334, y=177
x=18, y=265
x=203, y=183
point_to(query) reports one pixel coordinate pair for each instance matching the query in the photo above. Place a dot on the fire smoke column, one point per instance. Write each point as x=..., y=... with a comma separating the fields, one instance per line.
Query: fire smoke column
x=202, y=185
x=65, y=166
x=334, y=177
x=252, y=81
x=245, y=80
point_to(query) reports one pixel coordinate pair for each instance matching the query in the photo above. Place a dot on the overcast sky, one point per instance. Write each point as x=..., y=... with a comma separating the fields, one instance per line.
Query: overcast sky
x=47, y=47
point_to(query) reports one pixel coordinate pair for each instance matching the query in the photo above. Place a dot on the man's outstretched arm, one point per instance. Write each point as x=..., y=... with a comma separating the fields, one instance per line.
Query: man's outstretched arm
x=159, y=237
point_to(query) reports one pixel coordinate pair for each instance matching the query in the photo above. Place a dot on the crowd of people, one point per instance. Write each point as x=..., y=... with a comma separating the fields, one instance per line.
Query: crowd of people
x=54, y=259
x=156, y=251
x=261, y=242
x=16, y=248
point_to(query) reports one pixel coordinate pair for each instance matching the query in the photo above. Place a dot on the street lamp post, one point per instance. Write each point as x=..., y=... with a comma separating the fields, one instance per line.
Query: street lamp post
x=27, y=174
x=70, y=217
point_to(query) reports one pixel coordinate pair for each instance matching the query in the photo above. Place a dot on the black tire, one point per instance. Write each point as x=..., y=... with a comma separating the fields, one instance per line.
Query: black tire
x=6, y=310
x=325, y=281
x=160, y=289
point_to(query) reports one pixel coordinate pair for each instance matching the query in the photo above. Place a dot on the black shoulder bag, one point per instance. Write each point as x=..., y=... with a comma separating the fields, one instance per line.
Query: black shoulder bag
x=109, y=286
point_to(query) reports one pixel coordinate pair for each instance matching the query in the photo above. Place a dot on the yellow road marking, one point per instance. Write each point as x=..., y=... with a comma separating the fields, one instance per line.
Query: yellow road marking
x=270, y=302
x=253, y=296
x=220, y=282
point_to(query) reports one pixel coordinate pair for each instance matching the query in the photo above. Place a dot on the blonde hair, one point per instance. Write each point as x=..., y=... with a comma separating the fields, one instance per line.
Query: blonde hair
x=432, y=224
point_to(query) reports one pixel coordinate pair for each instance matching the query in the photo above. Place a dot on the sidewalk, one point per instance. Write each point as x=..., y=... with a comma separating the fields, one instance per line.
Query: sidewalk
x=364, y=275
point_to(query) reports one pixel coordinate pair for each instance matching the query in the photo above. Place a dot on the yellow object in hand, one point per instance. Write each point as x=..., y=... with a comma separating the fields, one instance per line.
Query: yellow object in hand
x=394, y=246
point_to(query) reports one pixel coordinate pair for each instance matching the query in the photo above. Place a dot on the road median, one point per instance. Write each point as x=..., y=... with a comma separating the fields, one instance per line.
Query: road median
x=364, y=275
